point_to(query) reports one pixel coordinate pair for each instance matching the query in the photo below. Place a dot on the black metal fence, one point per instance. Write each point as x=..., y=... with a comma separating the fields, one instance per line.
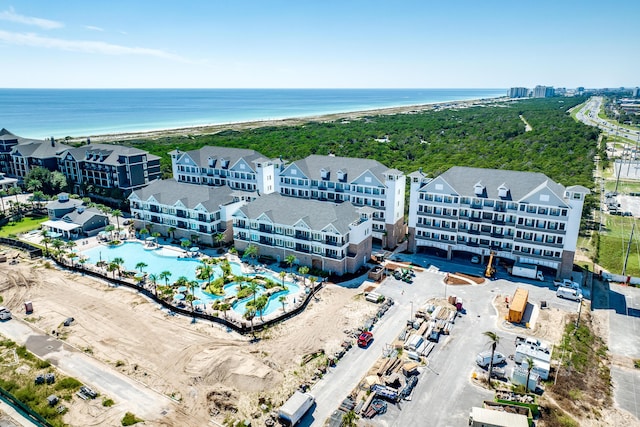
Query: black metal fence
x=23, y=409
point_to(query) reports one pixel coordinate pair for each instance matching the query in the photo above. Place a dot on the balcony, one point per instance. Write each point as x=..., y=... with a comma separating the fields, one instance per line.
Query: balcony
x=181, y=214
x=266, y=229
x=332, y=242
x=303, y=249
x=182, y=224
x=266, y=241
x=302, y=236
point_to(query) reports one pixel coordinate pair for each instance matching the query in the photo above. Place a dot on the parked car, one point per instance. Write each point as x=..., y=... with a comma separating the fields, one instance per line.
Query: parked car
x=483, y=359
x=569, y=293
x=364, y=339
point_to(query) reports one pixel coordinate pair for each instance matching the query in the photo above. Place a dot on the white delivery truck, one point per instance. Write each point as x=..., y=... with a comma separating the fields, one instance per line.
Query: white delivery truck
x=294, y=409
x=5, y=314
x=529, y=271
x=483, y=359
x=569, y=293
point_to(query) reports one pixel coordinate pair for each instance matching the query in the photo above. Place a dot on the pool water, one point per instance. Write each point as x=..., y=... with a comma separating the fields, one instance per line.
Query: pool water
x=161, y=259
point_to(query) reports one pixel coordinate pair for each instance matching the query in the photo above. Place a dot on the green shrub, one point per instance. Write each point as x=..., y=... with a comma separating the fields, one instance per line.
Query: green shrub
x=23, y=353
x=107, y=403
x=68, y=384
x=7, y=343
x=130, y=419
x=43, y=364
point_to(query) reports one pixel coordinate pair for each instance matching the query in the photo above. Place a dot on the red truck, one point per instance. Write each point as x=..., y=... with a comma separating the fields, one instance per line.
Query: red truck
x=364, y=339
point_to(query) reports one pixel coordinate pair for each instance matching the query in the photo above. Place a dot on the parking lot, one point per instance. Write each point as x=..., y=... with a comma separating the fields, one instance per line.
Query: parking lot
x=445, y=391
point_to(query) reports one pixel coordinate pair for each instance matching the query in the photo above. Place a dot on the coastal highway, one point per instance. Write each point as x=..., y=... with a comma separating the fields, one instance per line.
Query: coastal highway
x=588, y=115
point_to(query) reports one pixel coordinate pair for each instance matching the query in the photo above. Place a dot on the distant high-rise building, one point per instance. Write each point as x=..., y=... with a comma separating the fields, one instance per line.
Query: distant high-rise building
x=636, y=92
x=543, y=91
x=518, y=92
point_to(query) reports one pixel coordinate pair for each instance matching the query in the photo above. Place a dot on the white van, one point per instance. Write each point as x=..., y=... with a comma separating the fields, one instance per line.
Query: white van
x=569, y=293
x=483, y=359
x=5, y=314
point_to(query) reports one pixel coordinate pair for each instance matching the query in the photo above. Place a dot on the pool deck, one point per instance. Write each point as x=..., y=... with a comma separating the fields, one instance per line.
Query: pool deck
x=292, y=301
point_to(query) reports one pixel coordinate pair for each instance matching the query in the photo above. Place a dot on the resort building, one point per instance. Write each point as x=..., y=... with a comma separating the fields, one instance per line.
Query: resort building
x=543, y=92
x=56, y=209
x=19, y=155
x=520, y=216
x=237, y=168
x=331, y=237
x=363, y=182
x=195, y=212
x=109, y=166
x=78, y=222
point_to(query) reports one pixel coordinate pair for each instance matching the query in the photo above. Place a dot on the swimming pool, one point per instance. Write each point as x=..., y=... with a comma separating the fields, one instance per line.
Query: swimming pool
x=162, y=259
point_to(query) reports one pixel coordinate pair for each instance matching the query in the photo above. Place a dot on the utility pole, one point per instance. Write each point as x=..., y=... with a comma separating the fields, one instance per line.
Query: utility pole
x=618, y=177
x=626, y=258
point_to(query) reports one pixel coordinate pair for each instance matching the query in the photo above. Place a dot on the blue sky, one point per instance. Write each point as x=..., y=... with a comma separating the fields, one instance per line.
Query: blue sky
x=319, y=44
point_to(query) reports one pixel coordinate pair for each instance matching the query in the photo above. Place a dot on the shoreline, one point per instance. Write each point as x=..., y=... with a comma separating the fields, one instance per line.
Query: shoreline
x=209, y=129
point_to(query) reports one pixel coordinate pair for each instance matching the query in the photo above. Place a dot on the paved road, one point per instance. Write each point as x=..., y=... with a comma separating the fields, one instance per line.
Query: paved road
x=127, y=393
x=589, y=115
x=444, y=394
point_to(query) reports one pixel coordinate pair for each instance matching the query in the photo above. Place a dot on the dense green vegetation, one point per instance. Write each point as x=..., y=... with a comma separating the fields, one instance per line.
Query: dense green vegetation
x=491, y=137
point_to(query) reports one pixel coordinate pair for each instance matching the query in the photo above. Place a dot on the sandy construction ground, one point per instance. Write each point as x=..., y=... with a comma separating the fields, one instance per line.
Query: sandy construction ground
x=207, y=370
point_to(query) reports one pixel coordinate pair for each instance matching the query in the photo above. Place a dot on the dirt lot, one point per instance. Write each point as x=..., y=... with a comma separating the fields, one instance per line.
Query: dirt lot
x=207, y=370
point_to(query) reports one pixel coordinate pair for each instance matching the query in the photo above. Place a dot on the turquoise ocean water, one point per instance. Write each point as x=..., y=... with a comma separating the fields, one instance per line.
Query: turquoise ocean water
x=41, y=113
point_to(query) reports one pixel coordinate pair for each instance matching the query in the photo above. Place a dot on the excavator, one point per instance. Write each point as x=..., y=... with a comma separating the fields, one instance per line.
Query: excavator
x=491, y=270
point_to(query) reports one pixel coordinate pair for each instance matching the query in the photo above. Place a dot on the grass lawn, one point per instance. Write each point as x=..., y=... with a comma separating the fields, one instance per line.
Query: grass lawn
x=22, y=226
x=614, y=240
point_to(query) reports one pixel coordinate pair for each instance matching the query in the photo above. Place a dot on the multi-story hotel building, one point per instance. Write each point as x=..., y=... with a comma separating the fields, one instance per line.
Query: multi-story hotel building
x=186, y=210
x=109, y=166
x=520, y=216
x=363, y=182
x=236, y=168
x=19, y=155
x=331, y=237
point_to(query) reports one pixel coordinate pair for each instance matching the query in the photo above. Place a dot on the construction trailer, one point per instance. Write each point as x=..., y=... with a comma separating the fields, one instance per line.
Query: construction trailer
x=518, y=305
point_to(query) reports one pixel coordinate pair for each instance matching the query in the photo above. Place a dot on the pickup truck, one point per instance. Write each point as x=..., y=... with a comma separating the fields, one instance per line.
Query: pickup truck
x=566, y=283
x=364, y=339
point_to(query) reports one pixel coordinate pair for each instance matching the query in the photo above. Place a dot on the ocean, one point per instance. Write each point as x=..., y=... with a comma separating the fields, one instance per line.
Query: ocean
x=43, y=113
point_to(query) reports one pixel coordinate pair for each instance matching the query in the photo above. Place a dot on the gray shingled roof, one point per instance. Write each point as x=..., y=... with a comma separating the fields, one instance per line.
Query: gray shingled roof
x=111, y=152
x=520, y=184
x=39, y=149
x=289, y=210
x=354, y=167
x=169, y=191
x=201, y=156
x=71, y=203
x=81, y=218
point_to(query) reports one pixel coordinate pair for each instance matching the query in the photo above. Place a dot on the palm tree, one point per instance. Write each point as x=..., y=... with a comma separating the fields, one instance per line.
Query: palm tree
x=282, y=299
x=218, y=239
x=494, y=339
x=45, y=239
x=249, y=314
x=109, y=229
x=254, y=290
x=57, y=244
x=349, y=419
x=154, y=281
x=141, y=266
x=251, y=252
x=70, y=244
x=290, y=259
x=185, y=244
x=303, y=271
x=82, y=261
x=112, y=267
x=192, y=285
x=529, y=362
x=165, y=275
x=204, y=272
x=117, y=213
x=172, y=230
x=224, y=307
x=312, y=283
x=282, y=275
x=72, y=256
x=143, y=232
x=182, y=281
x=155, y=236
x=119, y=262
x=260, y=304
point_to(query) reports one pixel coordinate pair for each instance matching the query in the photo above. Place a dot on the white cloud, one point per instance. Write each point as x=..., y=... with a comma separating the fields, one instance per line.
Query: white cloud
x=92, y=28
x=46, y=24
x=87, y=46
